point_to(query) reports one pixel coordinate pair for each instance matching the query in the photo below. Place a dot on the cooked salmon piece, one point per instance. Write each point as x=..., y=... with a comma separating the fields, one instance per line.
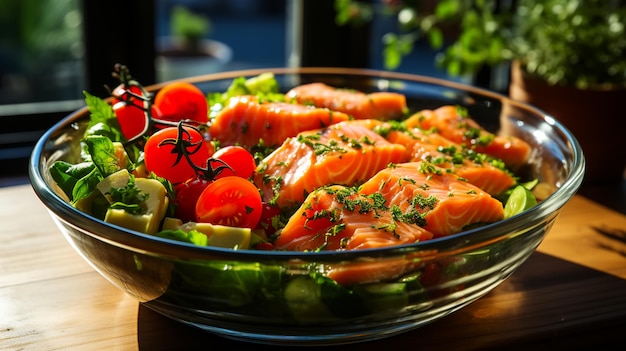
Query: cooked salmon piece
x=485, y=172
x=339, y=218
x=446, y=202
x=453, y=123
x=378, y=105
x=245, y=121
x=342, y=153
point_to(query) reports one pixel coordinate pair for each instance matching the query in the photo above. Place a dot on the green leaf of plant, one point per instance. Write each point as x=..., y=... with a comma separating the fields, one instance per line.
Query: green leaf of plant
x=102, y=154
x=66, y=175
x=352, y=12
x=86, y=185
x=435, y=38
x=391, y=57
x=102, y=118
x=189, y=25
x=447, y=9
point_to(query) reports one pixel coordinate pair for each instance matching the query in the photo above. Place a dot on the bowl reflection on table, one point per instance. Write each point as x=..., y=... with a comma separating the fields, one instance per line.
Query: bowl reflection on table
x=245, y=294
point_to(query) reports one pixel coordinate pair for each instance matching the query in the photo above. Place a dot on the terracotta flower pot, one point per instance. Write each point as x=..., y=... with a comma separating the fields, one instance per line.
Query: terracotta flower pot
x=597, y=118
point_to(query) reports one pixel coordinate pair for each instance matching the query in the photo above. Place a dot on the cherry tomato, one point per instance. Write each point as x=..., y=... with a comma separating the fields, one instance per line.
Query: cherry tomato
x=231, y=201
x=265, y=246
x=120, y=93
x=431, y=274
x=238, y=159
x=266, y=223
x=182, y=100
x=164, y=155
x=132, y=119
x=130, y=110
x=187, y=194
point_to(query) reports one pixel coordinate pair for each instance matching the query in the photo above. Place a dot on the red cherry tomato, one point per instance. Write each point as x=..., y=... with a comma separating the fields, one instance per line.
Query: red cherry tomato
x=132, y=119
x=265, y=246
x=431, y=274
x=266, y=223
x=238, y=159
x=130, y=110
x=187, y=195
x=121, y=93
x=162, y=153
x=231, y=201
x=181, y=100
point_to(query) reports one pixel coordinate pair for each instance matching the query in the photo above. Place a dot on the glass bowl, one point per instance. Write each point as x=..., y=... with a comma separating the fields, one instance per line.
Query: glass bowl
x=285, y=297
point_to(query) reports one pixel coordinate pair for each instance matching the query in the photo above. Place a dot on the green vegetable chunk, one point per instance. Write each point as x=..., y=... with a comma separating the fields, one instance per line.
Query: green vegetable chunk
x=520, y=200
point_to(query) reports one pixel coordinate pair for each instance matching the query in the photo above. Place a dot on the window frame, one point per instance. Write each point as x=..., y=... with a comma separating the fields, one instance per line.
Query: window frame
x=109, y=37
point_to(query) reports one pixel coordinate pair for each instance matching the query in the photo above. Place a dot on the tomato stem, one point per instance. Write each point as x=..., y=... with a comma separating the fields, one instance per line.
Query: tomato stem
x=183, y=146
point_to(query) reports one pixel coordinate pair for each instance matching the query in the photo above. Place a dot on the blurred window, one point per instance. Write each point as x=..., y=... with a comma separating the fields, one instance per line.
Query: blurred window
x=41, y=72
x=52, y=50
x=254, y=30
x=41, y=52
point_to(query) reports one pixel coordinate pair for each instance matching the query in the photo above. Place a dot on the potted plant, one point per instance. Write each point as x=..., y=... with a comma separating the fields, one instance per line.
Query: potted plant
x=187, y=51
x=566, y=57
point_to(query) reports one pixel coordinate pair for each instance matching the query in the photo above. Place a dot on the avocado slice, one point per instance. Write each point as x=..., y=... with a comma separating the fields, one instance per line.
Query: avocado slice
x=218, y=235
x=155, y=204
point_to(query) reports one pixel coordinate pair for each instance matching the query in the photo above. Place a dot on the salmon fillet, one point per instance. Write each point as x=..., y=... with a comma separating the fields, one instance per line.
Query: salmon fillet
x=359, y=105
x=454, y=124
x=401, y=204
x=339, y=218
x=487, y=173
x=375, y=270
x=481, y=170
x=446, y=202
x=245, y=121
x=343, y=153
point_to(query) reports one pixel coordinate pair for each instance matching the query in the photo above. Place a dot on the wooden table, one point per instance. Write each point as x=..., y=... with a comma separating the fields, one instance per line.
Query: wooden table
x=569, y=294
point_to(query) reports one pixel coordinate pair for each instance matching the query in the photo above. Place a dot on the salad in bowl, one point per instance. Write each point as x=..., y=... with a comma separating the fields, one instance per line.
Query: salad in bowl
x=305, y=206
